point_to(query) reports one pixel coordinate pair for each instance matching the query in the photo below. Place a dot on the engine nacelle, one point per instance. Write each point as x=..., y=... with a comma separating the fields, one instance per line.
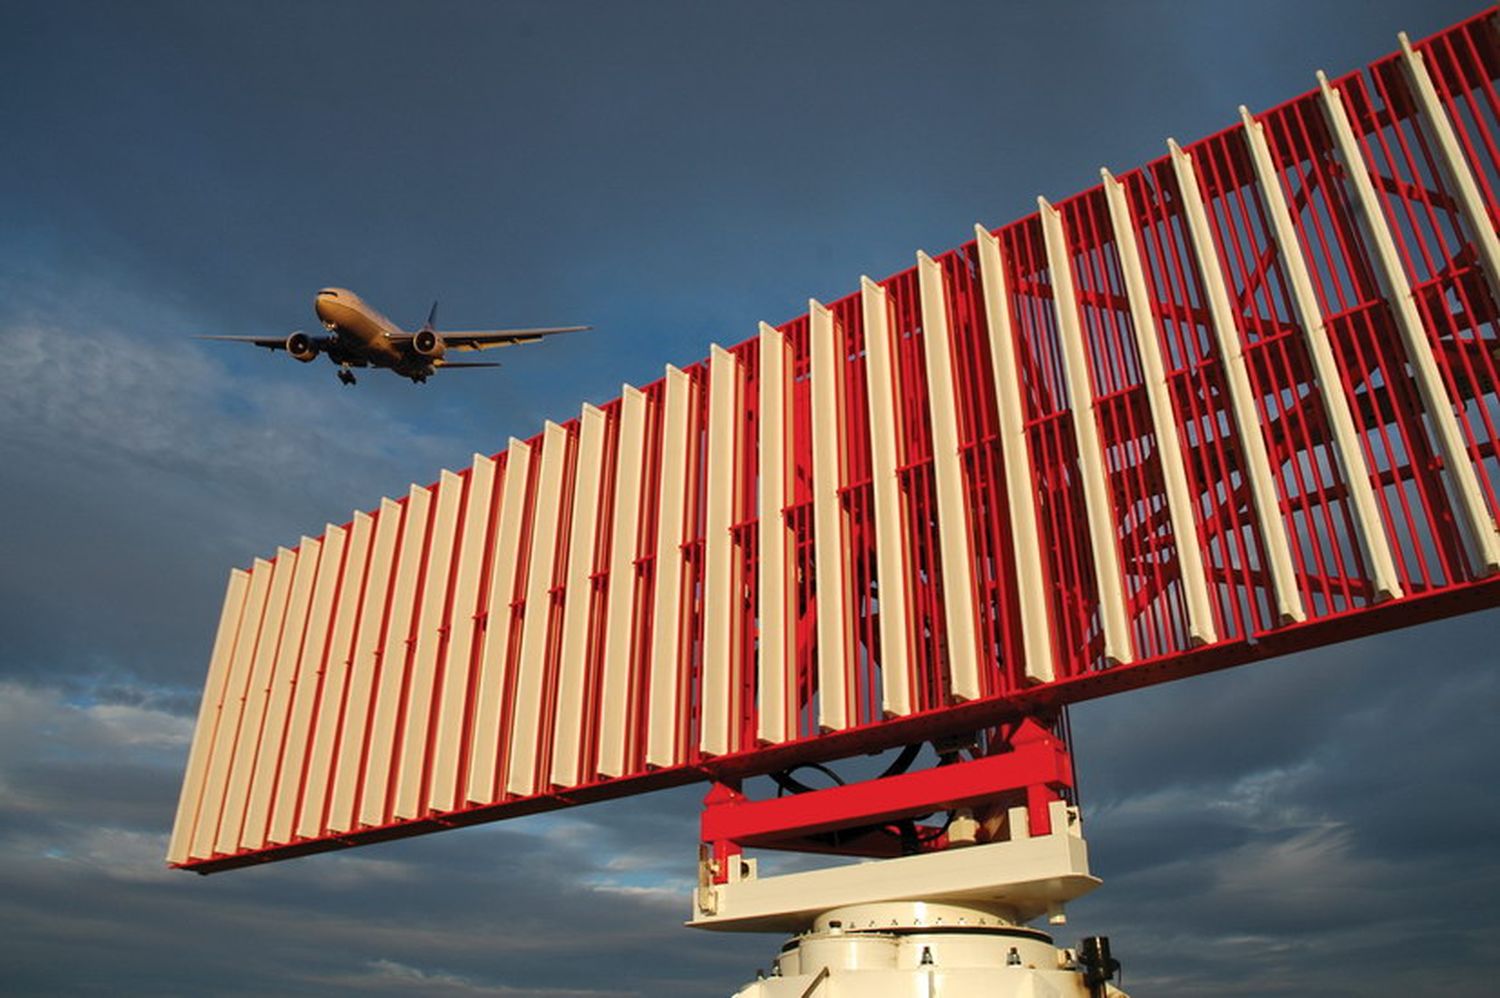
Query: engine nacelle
x=301, y=347
x=428, y=343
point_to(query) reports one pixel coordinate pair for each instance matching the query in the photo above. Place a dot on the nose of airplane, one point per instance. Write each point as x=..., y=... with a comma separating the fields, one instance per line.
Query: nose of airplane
x=324, y=302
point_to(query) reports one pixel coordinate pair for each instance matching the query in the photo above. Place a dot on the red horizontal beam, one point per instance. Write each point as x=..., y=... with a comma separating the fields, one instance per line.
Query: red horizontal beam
x=734, y=818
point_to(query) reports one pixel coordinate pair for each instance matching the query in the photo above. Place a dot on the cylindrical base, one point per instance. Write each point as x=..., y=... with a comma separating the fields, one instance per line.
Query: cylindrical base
x=913, y=949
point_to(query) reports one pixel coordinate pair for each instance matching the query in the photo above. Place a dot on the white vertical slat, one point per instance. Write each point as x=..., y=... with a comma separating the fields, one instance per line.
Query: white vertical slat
x=1020, y=489
x=1451, y=160
x=666, y=628
x=531, y=674
x=309, y=681
x=253, y=715
x=431, y=623
x=620, y=594
x=721, y=618
x=458, y=667
x=835, y=667
x=278, y=706
x=1200, y=617
x=319, y=777
x=890, y=536
x=208, y=715
x=1346, y=442
x=953, y=528
x=1276, y=554
x=776, y=668
x=484, y=748
x=349, y=765
x=572, y=678
x=1103, y=536
x=206, y=829
x=1481, y=535
x=395, y=652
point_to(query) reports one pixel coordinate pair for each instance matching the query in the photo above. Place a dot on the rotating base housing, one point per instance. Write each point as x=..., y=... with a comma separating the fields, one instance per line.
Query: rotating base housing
x=916, y=949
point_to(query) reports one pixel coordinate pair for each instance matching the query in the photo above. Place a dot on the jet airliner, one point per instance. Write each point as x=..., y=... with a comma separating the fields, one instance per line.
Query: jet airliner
x=359, y=336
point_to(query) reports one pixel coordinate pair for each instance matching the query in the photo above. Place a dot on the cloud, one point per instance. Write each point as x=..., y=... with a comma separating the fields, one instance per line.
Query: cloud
x=1302, y=826
x=89, y=789
x=99, y=394
x=391, y=976
x=137, y=476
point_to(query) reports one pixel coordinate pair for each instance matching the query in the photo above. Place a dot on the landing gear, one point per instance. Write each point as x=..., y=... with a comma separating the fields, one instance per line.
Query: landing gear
x=346, y=375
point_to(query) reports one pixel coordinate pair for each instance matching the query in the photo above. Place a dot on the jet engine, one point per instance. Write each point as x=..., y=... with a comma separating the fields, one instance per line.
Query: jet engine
x=428, y=343
x=301, y=347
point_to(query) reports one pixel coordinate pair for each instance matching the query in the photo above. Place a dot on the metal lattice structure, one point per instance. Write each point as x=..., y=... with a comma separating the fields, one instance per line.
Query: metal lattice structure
x=1238, y=402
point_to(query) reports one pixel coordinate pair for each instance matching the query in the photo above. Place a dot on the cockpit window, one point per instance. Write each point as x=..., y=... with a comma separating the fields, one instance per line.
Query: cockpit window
x=328, y=293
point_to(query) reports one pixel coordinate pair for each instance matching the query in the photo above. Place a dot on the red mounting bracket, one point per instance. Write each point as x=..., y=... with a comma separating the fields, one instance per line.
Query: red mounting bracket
x=1031, y=768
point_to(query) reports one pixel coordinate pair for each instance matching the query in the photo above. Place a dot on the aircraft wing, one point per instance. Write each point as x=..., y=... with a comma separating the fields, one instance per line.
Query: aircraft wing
x=483, y=339
x=269, y=342
x=445, y=364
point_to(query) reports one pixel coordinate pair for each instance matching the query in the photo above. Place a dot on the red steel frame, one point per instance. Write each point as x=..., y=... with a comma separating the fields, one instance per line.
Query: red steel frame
x=1022, y=765
x=1457, y=307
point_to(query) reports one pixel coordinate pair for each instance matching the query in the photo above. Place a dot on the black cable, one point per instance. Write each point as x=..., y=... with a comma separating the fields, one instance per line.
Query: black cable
x=788, y=784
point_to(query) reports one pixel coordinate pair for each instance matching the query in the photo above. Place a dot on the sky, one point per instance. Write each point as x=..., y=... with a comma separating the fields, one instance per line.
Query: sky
x=670, y=173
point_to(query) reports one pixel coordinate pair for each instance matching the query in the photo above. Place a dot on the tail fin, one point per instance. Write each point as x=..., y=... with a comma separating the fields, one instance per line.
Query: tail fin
x=431, y=316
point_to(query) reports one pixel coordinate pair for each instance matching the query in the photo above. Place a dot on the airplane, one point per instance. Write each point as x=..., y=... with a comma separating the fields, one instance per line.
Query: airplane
x=359, y=336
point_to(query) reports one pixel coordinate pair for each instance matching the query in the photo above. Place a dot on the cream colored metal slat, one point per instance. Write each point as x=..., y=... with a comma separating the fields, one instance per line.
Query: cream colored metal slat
x=279, y=703
x=1185, y=540
x=531, y=676
x=457, y=672
x=206, y=829
x=663, y=701
x=452, y=671
x=1346, y=443
x=422, y=692
x=1276, y=555
x=721, y=619
x=835, y=667
x=349, y=766
x=572, y=676
x=1481, y=536
x=890, y=542
x=395, y=655
x=494, y=661
x=257, y=692
x=208, y=715
x=1014, y=452
x=1036, y=638
x=1103, y=535
x=325, y=727
x=624, y=539
x=1453, y=164
x=953, y=528
x=309, y=675
x=776, y=667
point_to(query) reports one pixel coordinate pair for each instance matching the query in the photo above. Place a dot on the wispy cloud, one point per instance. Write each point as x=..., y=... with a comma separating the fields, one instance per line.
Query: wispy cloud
x=392, y=976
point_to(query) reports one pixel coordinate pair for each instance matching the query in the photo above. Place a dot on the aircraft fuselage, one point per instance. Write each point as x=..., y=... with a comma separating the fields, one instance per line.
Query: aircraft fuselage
x=361, y=336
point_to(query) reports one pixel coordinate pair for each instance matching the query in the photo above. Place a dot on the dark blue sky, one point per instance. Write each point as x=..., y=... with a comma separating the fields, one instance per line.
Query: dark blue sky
x=671, y=174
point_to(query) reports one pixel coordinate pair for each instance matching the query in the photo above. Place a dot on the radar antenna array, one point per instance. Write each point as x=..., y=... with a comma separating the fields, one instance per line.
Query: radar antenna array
x=1235, y=403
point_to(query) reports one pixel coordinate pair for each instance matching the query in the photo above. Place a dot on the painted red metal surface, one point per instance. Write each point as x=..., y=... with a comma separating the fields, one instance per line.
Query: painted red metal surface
x=1027, y=766
x=1458, y=310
